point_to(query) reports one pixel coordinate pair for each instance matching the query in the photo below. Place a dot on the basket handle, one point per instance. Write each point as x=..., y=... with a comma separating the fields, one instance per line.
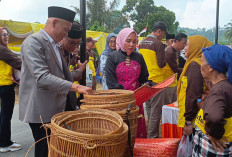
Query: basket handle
x=87, y=146
x=46, y=137
x=47, y=125
x=140, y=116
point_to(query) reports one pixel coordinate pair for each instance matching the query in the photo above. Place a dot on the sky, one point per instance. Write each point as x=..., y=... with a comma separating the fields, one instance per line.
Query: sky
x=189, y=13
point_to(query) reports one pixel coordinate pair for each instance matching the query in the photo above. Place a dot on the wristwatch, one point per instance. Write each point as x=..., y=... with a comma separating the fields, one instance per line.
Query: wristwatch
x=187, y=124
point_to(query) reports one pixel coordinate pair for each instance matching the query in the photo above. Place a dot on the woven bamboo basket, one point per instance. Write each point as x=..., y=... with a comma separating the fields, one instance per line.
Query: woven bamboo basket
x=133, y=119
x=112, y=96
x=112, y=107
x=91, y=121
x=80, y=142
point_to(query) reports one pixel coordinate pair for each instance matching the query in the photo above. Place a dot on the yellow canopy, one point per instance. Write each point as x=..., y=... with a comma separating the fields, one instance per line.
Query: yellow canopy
x=20, y=30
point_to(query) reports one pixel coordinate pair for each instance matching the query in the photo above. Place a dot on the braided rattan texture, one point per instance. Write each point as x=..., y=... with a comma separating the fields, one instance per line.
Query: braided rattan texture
x=87, y=138
x=112, y=96
x=118, y=101
x=91, y=121
x=112, y=107
x=133, y=119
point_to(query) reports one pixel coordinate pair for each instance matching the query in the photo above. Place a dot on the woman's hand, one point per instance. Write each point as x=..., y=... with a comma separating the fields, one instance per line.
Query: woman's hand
x=188, y=128
x=217, y=143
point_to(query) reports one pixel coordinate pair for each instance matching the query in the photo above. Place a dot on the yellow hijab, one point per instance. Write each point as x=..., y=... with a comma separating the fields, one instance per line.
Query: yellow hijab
x=196, y=43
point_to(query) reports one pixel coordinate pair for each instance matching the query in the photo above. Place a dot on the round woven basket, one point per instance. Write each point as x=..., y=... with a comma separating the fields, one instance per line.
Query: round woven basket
x=112, y=107
x=80, y=141
x=91, y=121
x=133, y=119
x=112, y=96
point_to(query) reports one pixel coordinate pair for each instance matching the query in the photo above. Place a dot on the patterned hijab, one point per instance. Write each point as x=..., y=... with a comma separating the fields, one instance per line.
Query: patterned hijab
x=1, y=43
x=122, y=36
x=196, y=43
x=108, y=50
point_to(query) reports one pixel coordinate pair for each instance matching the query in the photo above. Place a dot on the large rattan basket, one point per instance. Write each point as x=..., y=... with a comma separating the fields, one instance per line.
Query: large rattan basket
x=113, y=107
x=91, y=121
x=80, y=141
x=133, y=119
x=112, y=96
x=118, y=101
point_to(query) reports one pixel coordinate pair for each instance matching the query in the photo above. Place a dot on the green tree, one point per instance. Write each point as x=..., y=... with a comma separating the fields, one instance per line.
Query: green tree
x=228, y=31
x=208, y=33
x=97, y=27
x=144, y=13
x=103, y=17
x=96, y=11
x=115, y=21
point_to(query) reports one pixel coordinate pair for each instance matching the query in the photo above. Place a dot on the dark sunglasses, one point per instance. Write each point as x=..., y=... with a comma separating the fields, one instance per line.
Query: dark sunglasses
x=5, y=34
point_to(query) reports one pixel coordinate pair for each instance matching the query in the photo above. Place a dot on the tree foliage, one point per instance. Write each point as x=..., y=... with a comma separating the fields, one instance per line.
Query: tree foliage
x=144, y=13
x=116, y=21
x=228, y=31
x=101, y=17
x=96, y=11
x=208, y=33
x=97, y=27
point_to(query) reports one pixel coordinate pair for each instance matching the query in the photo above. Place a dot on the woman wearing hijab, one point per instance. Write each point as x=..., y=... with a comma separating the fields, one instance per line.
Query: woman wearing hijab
x=213, y=135
x=191, y=83
x=126, y=69
x=110, y=47
x=8, y=61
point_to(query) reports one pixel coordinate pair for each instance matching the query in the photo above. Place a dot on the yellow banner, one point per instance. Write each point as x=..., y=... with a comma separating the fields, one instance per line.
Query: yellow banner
x=20, y=30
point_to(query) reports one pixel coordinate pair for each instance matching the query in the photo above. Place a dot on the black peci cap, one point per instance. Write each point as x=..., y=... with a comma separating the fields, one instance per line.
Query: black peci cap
x=160, y=25
x=76, y=31
x=62, y=13
x=170, y=36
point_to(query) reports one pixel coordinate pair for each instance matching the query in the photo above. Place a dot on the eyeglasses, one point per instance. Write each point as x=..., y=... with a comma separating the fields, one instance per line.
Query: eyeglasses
x=74, y=43
x=5, y=34
x=112, y=42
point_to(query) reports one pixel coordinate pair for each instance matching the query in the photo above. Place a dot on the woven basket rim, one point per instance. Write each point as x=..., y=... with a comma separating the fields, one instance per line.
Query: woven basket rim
x=109, y=105
x=75, y=113
x=66, y=116
x=121, y=92
x=87, y=113
x=90, y=136
x=104, y=111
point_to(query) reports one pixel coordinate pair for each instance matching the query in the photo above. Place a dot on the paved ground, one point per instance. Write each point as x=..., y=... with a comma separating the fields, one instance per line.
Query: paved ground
x=21, y=133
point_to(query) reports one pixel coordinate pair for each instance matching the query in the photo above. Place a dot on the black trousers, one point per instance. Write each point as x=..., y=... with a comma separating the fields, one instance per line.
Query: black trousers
x=7, y=95
x=41, y=148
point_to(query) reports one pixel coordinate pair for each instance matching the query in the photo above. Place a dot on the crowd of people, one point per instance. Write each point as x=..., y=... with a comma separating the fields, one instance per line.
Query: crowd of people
x=51, y=71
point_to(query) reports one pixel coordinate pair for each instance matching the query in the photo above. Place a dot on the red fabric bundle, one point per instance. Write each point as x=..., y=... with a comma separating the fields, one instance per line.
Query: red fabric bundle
x=158, y=147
